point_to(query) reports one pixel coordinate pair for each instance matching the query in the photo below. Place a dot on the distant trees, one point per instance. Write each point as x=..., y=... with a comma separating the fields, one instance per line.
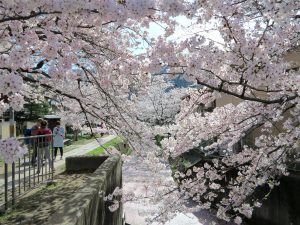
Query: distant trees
x=159, y=103
x=33, y=110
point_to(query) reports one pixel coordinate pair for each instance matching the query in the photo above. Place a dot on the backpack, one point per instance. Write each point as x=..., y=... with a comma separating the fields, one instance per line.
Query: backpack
x=27, y=133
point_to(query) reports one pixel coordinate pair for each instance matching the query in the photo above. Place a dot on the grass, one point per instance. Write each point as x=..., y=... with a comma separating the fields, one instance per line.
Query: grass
x=128, y=152
x=99, y=150
x=96, y=151
x=82, y=140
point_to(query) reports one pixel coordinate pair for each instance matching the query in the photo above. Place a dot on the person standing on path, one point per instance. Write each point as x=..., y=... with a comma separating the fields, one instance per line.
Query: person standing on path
x=44, y=145
x=34, y=130
x=58, y=139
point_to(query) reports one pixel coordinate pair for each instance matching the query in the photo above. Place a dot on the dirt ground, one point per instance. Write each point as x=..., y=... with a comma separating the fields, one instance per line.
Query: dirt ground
x=37, y=206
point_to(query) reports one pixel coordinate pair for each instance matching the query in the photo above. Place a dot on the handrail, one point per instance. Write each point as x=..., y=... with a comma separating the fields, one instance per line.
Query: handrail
x=35, y=136
x=30, y=170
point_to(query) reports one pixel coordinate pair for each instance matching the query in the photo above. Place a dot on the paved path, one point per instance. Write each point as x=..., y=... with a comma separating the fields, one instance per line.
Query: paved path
x=81, y=150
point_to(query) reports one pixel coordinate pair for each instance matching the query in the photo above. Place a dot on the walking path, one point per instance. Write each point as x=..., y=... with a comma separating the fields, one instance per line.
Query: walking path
x=137, y=178
x=82, y=150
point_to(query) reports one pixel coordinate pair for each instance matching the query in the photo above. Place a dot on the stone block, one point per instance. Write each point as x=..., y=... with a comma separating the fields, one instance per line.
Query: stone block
x=84, y=163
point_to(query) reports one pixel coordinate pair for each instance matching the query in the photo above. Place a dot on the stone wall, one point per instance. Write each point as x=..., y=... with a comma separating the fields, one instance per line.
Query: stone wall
x=82, y=163
x=87, y=207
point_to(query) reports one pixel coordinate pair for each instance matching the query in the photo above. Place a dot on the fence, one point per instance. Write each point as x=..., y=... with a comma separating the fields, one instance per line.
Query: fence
x=29, y=171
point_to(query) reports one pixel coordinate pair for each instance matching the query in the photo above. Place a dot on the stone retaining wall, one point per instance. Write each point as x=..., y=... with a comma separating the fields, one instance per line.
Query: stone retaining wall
x=86, y=206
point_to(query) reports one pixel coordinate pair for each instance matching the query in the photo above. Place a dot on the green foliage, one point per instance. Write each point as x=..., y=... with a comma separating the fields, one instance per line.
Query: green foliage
x=158, y=139
x=128, y=151
x=81, y=139
x=31, y=112
x=96, y=151
x=36, y=110
x=99, y=150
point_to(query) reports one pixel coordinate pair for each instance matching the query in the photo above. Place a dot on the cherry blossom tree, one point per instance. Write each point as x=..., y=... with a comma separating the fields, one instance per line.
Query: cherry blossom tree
x=159, y=102
x=82, y=54
x=249, y=62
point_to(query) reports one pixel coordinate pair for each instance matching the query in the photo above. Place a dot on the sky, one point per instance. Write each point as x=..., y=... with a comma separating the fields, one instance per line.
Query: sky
x=184, y=30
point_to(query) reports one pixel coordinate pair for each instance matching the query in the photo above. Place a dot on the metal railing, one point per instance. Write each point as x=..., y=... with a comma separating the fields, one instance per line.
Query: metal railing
x=29, y=171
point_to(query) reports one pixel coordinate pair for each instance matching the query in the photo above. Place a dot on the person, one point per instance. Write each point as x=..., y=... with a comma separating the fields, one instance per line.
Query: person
x=34, y=131
x=27, y=134
x=58, y=139
x=43, y=144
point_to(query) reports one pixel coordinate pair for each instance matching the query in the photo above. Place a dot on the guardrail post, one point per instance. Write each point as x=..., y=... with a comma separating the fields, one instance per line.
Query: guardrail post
x=52, y=158
x=12, y=134
x=13, y=183
x=11, y=179
x=6, y=185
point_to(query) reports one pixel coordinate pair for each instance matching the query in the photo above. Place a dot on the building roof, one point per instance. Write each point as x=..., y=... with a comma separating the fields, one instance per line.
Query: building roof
x=51, y=117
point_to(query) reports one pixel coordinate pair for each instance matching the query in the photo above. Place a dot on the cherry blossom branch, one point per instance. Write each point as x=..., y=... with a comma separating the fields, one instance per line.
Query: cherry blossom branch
x=27, y=17
x=280, y=100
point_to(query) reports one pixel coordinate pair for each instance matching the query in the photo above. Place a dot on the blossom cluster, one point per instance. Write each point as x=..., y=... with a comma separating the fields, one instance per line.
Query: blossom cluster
x=159, y=104
x=11, y=150
x=233, y=179
x=114, y=198
x=95, y=130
